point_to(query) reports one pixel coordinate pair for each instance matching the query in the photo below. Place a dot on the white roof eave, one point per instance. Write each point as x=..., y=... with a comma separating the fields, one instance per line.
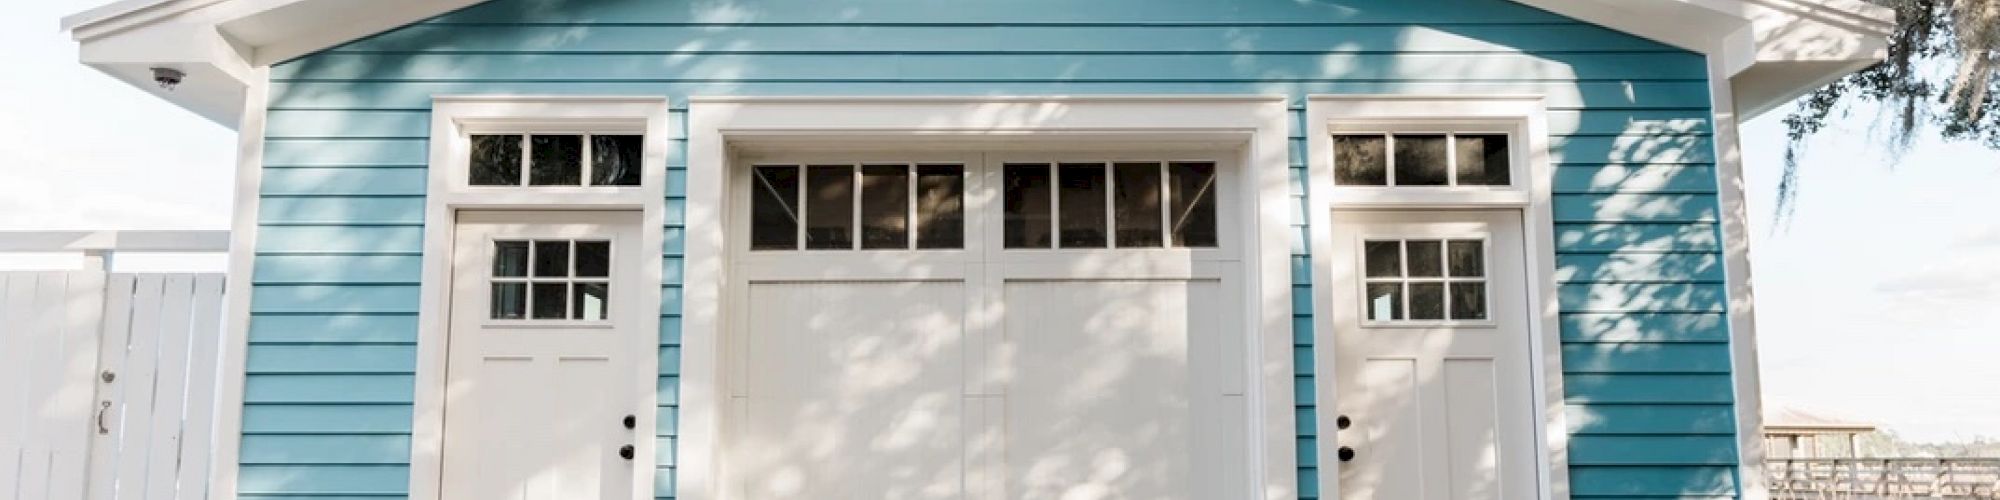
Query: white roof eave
x=1771, y=50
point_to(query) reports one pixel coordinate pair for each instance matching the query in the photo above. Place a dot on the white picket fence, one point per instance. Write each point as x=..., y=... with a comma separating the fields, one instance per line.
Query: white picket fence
x=107, y=380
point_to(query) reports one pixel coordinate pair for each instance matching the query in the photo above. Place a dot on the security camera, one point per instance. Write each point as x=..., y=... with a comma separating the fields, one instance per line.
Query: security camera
x=168, y=77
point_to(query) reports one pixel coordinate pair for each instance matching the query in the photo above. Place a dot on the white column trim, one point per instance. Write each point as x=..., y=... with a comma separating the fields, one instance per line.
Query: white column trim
x=1748, y=385
x=223, y=467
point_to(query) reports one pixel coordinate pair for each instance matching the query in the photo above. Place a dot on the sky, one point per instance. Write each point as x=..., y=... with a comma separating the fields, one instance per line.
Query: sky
x=1878, y=300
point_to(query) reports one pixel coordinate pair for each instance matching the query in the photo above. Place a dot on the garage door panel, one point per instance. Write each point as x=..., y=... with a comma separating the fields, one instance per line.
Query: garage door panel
x=1109, y=383
x=854, y=390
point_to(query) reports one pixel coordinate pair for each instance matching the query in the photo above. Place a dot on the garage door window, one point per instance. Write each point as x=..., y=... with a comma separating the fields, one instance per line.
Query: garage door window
x=857, y=207
x=1109, y=205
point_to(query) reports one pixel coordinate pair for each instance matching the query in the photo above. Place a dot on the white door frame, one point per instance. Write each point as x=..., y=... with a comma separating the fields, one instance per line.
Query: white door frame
x=1255, y=126
x=453, y=119
x=1524, y=118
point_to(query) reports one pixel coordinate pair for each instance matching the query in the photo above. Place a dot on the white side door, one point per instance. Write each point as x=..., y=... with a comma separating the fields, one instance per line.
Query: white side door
x=1431, y=349
x=541, y=390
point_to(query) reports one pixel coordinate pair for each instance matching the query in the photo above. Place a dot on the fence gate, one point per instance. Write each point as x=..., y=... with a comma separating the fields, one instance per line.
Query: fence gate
x=107, y=383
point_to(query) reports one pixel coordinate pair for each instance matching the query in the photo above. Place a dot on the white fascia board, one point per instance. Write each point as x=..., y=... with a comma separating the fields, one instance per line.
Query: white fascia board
x=1773, y=50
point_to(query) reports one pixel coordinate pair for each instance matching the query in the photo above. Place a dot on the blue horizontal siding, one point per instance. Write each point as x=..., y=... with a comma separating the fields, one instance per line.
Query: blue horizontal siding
x=341, y=221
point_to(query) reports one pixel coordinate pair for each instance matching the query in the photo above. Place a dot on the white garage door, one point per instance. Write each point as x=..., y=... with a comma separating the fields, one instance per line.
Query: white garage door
x=1050, y=326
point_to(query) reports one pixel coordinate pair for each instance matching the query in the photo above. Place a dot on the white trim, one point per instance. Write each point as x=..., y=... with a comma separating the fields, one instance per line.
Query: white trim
x=223, y=466
x=193, y=241
x=1256, y=124
x=1526, y=116
x=447, y=193
x=1748, y=384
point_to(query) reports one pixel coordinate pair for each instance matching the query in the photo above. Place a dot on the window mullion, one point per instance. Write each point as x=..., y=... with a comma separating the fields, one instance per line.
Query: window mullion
x=1389, y=157
x=799, y=206
x=1110, y=217
x=854, y=204
x=527, y=156
x=910, y=207
x=1055, y=205
x=1451, y=158
x=586, y=162
x=1166, y=208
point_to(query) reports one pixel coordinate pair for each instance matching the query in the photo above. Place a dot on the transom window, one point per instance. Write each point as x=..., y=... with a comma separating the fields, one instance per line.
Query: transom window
x=556, y=159
x=1424, y=279
x=1109, y=205
x=551, y=279
x=1421, y=159
x=873, y=206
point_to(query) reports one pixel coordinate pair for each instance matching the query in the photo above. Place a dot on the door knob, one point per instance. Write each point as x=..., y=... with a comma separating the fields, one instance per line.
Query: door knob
x=1342, y=422
x=1346, y=454
x=631, y=422
x=625, y=452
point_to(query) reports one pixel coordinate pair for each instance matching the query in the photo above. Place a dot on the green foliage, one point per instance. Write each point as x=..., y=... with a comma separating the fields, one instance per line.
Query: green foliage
x=1942, y=73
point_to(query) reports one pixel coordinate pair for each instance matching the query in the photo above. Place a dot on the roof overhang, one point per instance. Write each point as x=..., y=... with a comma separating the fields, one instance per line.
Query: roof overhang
x=1770, y=50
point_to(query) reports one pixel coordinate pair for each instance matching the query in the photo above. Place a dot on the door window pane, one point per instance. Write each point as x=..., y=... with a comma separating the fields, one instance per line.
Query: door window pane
x=557, y=160
x=1383, y=259
x=591, y=301
x=1482, y=159
x=1136, y=204
x=551, y=259
x=1026, y=206
x=940, y=206
x=774, y=209
x=510, y=258
x=1384, y=301
x=615, y=159
x=510, y=300
x=1083, y=197
x=830, y=207
x=1192, y=203
x=1467, y=258
x=1421, y=161
x=550, y=300
x=885, y=206
x=1360, y=160
x=1427, y=301
x=1426, y=259
x=593, y=259
x=1468, y=300
x=496, y=160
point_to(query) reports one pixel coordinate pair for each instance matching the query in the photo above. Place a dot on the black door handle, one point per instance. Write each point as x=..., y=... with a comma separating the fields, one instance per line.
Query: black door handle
x=1342, y=422
x=1346, y=454
x=625, y=452
x=631, y=422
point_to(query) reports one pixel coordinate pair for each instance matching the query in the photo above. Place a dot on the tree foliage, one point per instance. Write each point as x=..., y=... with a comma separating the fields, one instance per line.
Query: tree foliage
x=1942, y=73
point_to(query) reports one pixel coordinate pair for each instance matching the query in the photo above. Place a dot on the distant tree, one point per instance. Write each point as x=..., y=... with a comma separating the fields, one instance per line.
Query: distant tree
x=1942, y=73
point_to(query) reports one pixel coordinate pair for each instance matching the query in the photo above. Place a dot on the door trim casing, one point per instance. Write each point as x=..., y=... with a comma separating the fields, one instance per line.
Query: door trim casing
x=1255, y=125
x=1523, y=116
x=452, y=119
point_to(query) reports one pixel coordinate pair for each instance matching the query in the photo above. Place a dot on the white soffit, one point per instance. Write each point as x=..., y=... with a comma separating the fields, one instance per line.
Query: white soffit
x=1774, y=50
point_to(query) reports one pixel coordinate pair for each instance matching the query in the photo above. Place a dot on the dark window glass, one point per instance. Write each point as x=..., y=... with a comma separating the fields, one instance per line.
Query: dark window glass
x=1083, y=196
x=549, y=300
x=1192, y=203
x=885, y=206
x=1136, y=204
x=1466, y=258
x=496, y=160
x=1427, y=301
x=510, y=258
x=510, y=300
x=1360, y=160
x=1384, y=259
x=830, y=207
x=557, y=160
x=1385, y=301
x=1026, y=206
x=592, y=301
x=1426, y=258
x=774, y=212
x=1482, y=160
x=615, y=159
x=1421, y=161
x=1468, y=300
x=551, y=259
x=593, y=259
x=940, y=206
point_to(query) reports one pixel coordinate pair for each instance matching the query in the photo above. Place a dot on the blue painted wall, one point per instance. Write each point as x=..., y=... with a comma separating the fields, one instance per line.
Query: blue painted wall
x=333, y=328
